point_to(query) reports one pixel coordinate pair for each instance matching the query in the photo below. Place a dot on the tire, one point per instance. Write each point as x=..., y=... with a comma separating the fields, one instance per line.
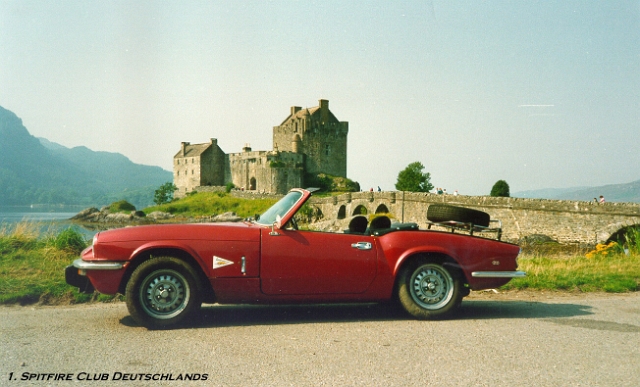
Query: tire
x=443, y=212
x=427, y=290
x=163, y=292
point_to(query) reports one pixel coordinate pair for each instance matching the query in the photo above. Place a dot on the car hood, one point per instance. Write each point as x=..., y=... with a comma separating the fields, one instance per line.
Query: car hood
x=192, y=231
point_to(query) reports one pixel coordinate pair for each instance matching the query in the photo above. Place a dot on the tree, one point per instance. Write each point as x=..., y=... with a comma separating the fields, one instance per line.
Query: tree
x=164, y=194
x=500, y=189
x=413, y=179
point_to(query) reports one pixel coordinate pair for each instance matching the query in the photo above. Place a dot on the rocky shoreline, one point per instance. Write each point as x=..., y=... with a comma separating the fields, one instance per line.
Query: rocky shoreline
x=104, y=215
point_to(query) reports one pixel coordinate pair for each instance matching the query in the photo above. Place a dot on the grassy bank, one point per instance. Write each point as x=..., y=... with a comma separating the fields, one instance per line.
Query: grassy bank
x=32, y=266
x=613, y=267
x=608, y=273
x=206, y=204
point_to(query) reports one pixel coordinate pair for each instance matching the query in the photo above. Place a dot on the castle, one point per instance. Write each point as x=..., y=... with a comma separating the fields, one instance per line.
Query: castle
x=309, y=141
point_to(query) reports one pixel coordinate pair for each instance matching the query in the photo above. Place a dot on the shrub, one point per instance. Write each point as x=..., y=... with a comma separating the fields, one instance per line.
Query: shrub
x=164, y=194
x=603, y=249
x=500, y=189
x=121, y=206
x=412, y=179
x=331, y=183
x=632, y=240
x=68, y=240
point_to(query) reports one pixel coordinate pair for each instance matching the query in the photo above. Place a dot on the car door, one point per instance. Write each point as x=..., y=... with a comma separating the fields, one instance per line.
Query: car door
x=307, y=262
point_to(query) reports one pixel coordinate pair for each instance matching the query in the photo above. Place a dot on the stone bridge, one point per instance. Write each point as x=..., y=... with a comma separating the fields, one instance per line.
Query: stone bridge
x=569, y=222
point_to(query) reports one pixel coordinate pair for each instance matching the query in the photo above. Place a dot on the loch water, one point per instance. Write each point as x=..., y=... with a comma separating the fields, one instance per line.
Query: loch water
x=48, y=218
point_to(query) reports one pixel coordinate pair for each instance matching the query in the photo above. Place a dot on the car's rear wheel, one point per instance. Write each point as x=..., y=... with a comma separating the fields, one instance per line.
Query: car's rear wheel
x=428, y=290
x=162, y=292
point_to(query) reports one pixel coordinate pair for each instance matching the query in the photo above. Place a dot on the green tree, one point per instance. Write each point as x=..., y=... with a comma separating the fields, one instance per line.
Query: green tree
x=413, y=179
x=164, y=194
x=500, y=189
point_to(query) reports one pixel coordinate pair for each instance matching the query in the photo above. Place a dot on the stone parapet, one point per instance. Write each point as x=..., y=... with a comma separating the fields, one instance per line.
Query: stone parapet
x=579, y=222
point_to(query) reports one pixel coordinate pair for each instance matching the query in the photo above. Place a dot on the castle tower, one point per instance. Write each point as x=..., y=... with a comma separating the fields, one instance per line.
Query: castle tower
x=319, y=135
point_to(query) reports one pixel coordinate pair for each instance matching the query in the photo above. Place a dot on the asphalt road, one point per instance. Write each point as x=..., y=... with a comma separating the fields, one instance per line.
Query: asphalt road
x=495, y=340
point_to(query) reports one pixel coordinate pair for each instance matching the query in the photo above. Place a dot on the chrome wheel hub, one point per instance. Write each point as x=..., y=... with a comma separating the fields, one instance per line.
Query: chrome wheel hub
x=164, y=294
x=431, y=286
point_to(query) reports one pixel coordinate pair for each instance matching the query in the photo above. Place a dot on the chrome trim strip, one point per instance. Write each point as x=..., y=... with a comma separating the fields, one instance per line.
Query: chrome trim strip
x=498, y=274
x=83, y=265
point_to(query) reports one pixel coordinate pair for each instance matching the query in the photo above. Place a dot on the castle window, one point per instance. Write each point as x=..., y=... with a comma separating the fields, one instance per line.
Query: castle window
x=192, y=172
x=178, y=173
x=296, y=128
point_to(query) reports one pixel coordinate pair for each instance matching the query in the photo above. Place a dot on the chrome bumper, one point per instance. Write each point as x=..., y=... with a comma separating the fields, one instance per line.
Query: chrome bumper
x=83, y=265
x=498, y=274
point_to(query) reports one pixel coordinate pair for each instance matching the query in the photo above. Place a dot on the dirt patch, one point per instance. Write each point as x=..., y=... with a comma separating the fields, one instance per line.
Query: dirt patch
x=535, y=295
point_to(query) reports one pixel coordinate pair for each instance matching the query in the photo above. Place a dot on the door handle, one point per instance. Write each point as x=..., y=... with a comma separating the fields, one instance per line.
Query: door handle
x=361, y=245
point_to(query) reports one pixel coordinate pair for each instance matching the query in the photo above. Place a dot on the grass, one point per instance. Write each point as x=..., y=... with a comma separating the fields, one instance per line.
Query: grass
x=606, y=273
x=121, y=206
x=206, y=204
x=611, y=267
x=32, y=265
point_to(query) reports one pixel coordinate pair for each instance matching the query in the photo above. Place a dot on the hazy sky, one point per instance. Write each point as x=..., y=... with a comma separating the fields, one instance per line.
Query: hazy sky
x=538, y=93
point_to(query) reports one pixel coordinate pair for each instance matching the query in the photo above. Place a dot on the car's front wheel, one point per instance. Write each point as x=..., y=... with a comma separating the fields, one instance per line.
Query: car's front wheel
x=428, y=290
x=162, y=292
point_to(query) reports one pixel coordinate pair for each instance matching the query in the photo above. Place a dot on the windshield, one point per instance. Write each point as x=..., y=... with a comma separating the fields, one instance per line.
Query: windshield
x=280, y=208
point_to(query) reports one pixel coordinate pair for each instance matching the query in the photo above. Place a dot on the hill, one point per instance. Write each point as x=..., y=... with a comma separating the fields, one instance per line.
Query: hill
x=627, y=192
x=39, y=171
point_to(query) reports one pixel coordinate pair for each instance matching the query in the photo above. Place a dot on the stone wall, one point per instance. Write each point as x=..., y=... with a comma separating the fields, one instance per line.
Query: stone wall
x=240, y=194
x=186, y=174
x=565, y=221
x=266, y=171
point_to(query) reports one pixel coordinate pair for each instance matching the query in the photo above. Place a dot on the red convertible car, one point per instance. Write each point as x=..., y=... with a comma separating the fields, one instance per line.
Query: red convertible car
x=167, y=271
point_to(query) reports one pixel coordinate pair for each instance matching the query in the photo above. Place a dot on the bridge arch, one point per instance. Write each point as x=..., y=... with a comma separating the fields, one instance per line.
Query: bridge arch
x=382, y=209
x=622, y=234
x=342, y=212
x=360, y=210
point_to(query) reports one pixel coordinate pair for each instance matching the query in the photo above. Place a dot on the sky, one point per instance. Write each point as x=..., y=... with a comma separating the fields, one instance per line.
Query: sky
x=542, y=94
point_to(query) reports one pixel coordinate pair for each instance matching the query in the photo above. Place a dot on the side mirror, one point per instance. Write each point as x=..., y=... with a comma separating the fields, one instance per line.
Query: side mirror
x=276, y=224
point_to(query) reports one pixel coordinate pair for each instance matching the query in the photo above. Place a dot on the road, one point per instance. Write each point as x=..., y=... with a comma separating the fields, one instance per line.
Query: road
x=510, y=339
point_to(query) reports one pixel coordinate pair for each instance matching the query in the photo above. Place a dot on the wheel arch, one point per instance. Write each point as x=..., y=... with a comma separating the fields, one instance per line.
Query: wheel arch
x=207, y=293
x=433, y=256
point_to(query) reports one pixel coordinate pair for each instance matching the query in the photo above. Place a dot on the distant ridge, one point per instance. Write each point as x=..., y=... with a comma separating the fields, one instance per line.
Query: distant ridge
x=38, y=171
x=620, y=193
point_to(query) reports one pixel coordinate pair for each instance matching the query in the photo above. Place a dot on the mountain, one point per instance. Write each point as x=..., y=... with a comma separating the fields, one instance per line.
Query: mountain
x=627, y=192
x=39, y=171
